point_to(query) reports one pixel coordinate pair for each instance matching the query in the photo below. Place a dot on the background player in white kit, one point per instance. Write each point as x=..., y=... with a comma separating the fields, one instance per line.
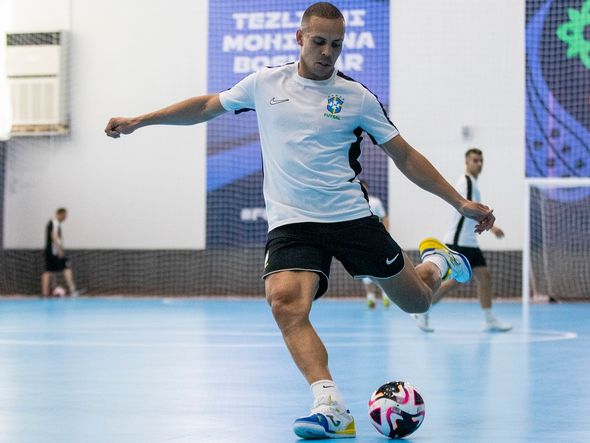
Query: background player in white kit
x=461, y=238
x=310, y=119
x=371, y=289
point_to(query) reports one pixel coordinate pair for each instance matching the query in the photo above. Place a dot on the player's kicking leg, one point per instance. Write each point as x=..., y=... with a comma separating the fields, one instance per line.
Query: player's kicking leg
x=414, y=287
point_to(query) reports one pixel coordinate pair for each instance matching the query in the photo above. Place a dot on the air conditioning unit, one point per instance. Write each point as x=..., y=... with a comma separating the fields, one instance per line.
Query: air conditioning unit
x=36, y=66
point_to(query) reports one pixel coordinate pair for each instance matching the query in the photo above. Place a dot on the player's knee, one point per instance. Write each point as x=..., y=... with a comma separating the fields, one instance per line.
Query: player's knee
x=420, y=306
x=417, y=304
x=286, y=304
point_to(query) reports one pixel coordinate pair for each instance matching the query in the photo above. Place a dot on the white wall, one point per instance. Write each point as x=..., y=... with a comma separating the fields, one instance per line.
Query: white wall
x=454, y=63
x=459, y=63
x=5, y=107
x=143, y=191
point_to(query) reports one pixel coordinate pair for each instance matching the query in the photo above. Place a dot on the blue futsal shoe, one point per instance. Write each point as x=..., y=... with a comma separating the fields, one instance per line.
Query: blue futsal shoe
x=459, y=267
x=327, y=420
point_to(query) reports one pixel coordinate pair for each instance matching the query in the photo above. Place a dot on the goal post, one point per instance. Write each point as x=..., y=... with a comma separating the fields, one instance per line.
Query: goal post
x=556, y=249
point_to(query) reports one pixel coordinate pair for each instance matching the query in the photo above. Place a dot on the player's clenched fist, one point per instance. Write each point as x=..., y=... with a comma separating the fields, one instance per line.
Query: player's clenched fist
x=120, y=125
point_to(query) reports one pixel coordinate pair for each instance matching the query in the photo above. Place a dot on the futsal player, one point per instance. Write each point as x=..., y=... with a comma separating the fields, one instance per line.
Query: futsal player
x=55, y=259
x=461, y=238
x=310, y=118
x=371, y=289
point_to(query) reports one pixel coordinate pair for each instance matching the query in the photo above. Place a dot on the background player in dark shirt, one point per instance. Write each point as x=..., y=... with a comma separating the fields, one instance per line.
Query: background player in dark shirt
x=55, y=259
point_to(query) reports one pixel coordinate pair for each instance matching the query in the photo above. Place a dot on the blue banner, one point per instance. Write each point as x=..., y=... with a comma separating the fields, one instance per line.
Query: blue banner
x=245, y=37
x=558, y=88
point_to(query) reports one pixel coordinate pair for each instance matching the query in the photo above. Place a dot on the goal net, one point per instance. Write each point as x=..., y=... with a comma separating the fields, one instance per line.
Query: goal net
x=556, y=255
x=242, y=37
x=556, y=249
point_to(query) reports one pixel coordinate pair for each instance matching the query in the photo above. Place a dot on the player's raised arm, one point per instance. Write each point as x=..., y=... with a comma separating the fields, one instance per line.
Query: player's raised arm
x=421, y=172
x=187, y=112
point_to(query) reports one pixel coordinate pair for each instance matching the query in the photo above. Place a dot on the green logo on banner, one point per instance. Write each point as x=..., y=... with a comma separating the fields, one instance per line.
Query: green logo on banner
x=573, y=33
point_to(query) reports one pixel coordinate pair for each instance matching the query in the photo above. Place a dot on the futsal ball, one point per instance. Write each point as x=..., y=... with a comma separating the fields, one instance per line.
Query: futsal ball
x=58, y=291
x=396, y=409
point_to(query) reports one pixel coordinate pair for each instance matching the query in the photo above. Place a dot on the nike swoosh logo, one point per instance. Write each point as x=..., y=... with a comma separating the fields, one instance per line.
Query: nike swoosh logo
x=274, y=101
x=388, y=261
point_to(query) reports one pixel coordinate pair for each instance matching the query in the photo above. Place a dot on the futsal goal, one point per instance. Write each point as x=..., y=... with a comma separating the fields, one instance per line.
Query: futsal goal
x=556, y=251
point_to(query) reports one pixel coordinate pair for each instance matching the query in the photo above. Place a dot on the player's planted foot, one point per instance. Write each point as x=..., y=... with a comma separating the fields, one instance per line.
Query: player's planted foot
x=493, y=324
x=327, y=420
x=459, y=267
x=422, y=321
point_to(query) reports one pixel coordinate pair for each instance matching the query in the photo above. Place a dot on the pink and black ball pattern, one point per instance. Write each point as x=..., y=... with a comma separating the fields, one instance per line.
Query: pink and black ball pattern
x=396, y=409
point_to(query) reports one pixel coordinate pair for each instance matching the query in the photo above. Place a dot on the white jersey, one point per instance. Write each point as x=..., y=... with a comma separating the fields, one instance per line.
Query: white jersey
x=462, y=229
x=310, y=132
x=377, y=207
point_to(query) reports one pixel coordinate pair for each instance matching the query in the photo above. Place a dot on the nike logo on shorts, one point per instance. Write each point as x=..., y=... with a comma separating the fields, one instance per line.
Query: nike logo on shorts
x=274, y=101
x=390, y=261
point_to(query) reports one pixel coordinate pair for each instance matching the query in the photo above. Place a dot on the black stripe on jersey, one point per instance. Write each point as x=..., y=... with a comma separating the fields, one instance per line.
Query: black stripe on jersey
x=469, y=188
x=355, y=152
x=240, y=111
x=365, y=193
x=462, y=220
x=346, y=77
x=48, y=231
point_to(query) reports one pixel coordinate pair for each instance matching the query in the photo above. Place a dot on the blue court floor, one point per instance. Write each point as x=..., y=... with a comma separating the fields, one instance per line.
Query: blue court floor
x=192, y=370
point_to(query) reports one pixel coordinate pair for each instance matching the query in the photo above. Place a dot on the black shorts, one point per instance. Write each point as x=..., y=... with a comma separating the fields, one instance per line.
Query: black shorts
x=53, y=263
x=363, y=246
x=474, y=255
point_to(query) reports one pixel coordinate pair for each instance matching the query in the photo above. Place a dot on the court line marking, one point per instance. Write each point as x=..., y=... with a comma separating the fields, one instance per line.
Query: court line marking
x=464, y=337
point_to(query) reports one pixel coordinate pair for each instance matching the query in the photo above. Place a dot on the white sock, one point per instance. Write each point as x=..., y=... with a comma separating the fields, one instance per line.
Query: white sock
x=487, y=312
x=327, y=388
x=371, y=296
x=439, y=261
